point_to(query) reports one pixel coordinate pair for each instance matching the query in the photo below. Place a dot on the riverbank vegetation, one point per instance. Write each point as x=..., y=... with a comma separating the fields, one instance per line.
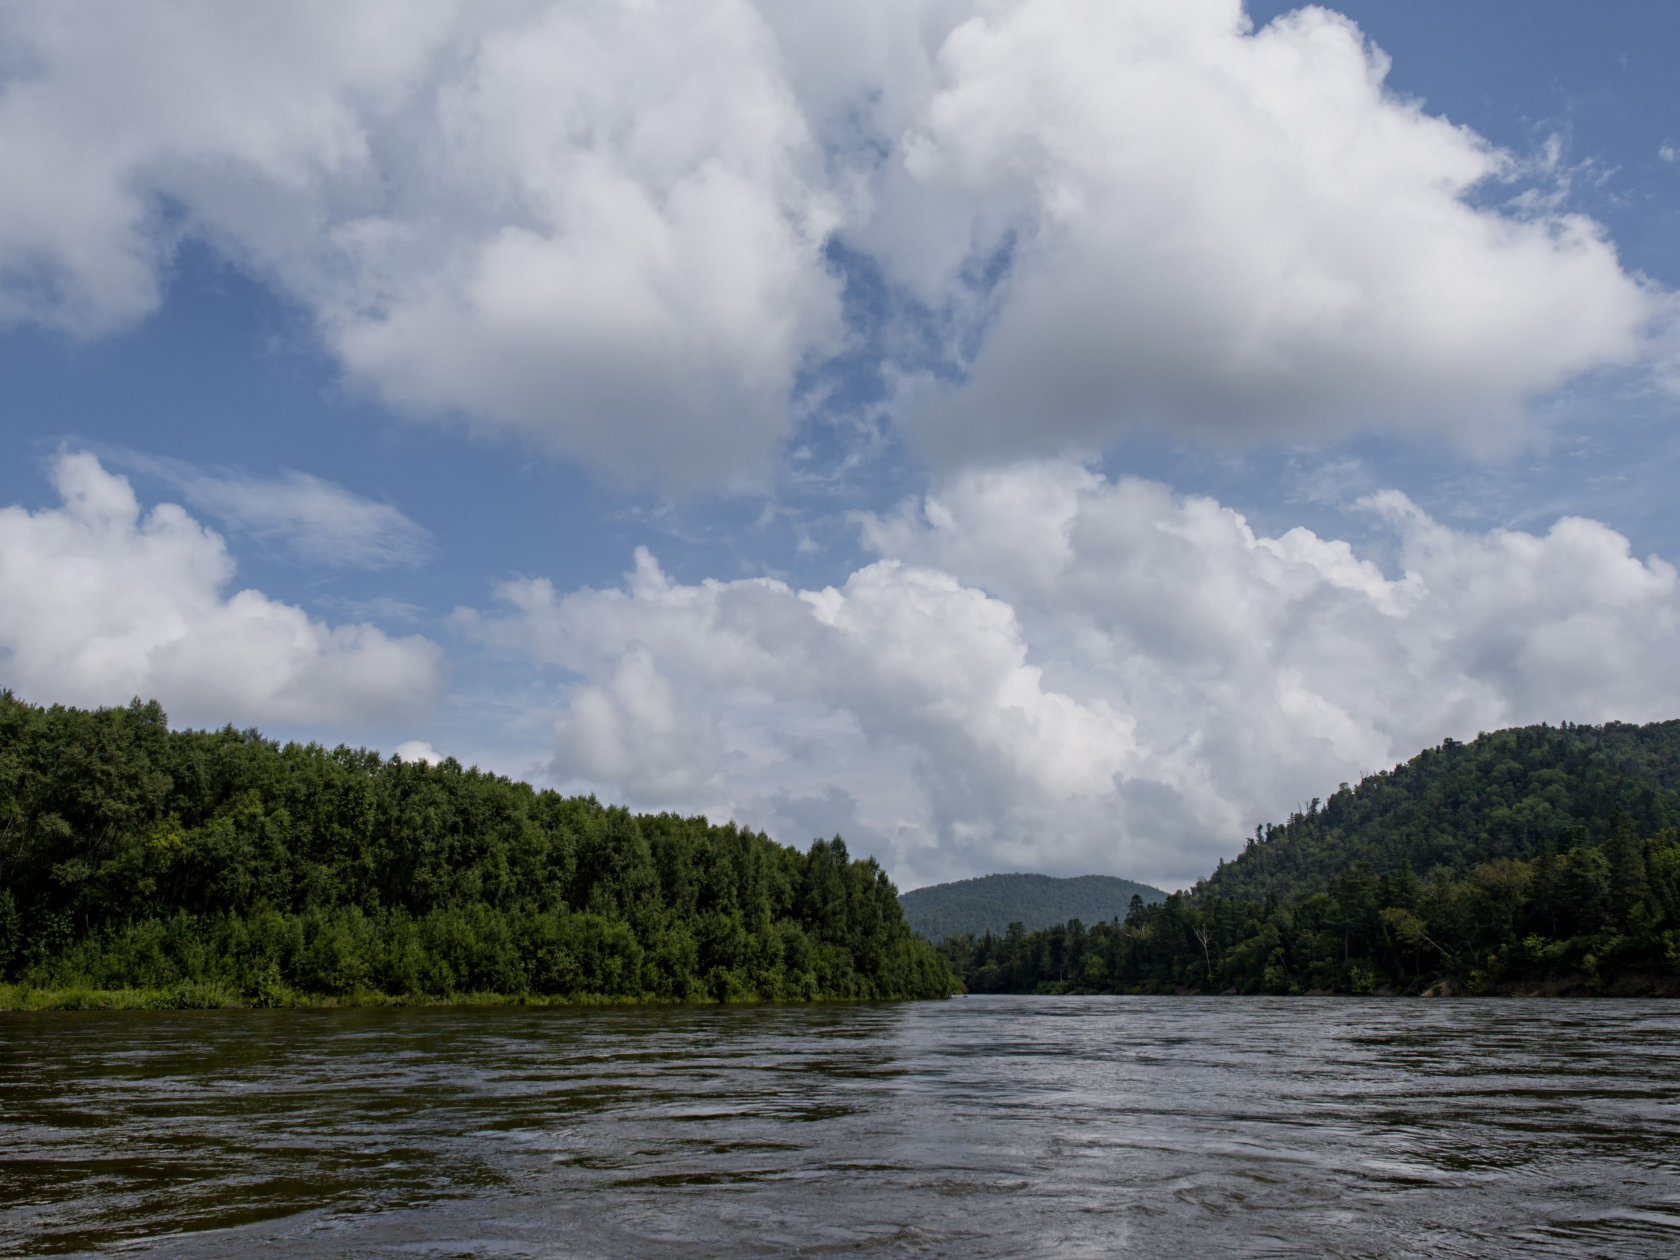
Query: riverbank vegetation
x=1534, y=860
x=143, y=866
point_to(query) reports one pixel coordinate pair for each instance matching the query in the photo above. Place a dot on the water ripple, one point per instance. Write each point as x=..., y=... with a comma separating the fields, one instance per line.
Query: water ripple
x=977, y=1127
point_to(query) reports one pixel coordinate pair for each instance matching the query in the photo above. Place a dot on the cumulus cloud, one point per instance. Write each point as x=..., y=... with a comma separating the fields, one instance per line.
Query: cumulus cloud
x=600, y=227
x=1046, y=669
x=120, y=130
x=101, y=601
x=319, y=521
x=603, y=228
x=1233, y=233
x=418, y=750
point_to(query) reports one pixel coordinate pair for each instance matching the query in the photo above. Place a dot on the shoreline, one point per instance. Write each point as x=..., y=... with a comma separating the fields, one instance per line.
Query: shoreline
x=27, y=999
x=19, y=998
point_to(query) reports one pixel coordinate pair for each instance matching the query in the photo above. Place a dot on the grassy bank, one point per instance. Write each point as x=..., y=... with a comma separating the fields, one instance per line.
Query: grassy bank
x=196, y=997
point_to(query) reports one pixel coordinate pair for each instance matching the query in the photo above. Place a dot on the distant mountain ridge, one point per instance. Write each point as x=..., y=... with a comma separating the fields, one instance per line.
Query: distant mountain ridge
x=991, y=903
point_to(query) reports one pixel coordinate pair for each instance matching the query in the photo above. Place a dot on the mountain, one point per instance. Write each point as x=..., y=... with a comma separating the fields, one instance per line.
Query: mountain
x=1538, y=860
x=992, y=902
x=1508, y=794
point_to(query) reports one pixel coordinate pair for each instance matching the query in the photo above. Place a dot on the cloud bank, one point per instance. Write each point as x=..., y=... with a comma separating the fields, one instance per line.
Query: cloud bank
x=1049, y=670
x=101, y=601
x=605, y=230
x=597, y=227
x=1227, y=234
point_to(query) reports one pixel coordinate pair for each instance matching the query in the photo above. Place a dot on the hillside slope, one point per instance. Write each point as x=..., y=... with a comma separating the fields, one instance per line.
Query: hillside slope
x=1538, y=860
x=1509, y=794
x=992, y=902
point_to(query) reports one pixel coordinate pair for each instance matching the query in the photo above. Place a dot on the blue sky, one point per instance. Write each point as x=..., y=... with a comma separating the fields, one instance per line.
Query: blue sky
x=1016, y=436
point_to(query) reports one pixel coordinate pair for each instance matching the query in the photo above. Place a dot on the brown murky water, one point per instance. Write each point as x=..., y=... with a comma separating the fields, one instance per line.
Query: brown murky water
x=976, y=1127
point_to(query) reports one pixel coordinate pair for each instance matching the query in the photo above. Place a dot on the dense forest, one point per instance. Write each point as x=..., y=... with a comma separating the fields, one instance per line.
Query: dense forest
x=222, y=868
x=1541, y=859
x=992, y=902
x=219, y=867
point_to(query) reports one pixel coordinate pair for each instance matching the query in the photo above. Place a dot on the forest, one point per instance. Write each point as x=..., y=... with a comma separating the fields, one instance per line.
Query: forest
x=1533, y=860
x=223, y=868
x=140, y=865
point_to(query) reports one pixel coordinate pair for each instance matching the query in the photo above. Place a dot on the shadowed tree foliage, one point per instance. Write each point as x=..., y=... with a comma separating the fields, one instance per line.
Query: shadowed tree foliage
x=136, y=857
x=1536, y=859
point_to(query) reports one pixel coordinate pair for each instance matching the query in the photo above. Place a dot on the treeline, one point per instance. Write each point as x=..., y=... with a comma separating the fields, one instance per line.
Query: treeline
x=1536, y=860
x=225, y=867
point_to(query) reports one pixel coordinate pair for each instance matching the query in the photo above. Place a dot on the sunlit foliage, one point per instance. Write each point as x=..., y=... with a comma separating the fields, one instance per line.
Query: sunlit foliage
x=132, y=856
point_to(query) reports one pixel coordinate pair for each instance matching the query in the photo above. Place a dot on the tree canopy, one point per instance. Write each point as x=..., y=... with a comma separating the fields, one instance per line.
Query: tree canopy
x=1539, y=859
x=230, y=866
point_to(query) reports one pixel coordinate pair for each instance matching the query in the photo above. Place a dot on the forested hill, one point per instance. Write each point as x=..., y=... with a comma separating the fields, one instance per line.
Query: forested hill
x=992, y=902
x=1533, y=860
x=1510, y=794
x=222, y=867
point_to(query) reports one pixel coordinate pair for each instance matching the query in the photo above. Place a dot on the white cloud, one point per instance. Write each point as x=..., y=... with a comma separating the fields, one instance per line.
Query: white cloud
x=1228, y=234
x=1049, y=670
x=635, y=272
x=119, y=129
x=100, y=601
x=1669, y=151
x=602, y=227
x=418, y=750
x=597, y=226
x=318, y=521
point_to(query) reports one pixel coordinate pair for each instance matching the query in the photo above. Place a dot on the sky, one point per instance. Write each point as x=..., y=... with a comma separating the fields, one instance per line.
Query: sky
x=1019, y=435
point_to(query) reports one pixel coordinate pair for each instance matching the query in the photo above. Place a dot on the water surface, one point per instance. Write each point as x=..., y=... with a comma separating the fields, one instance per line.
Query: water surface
x=977, y=1127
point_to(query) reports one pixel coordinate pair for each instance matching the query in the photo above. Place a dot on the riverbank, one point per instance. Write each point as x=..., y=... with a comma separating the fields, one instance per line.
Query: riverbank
x=187, y=997
x=204, y=997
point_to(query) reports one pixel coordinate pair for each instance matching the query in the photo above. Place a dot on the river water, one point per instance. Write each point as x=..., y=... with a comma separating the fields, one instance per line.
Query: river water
x=982, y=1126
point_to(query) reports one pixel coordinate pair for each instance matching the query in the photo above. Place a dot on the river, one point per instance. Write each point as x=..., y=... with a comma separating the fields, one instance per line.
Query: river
x=982, y=1126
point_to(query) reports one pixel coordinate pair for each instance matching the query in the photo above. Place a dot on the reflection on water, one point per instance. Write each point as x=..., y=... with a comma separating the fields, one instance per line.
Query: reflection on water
x=976, y=1127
